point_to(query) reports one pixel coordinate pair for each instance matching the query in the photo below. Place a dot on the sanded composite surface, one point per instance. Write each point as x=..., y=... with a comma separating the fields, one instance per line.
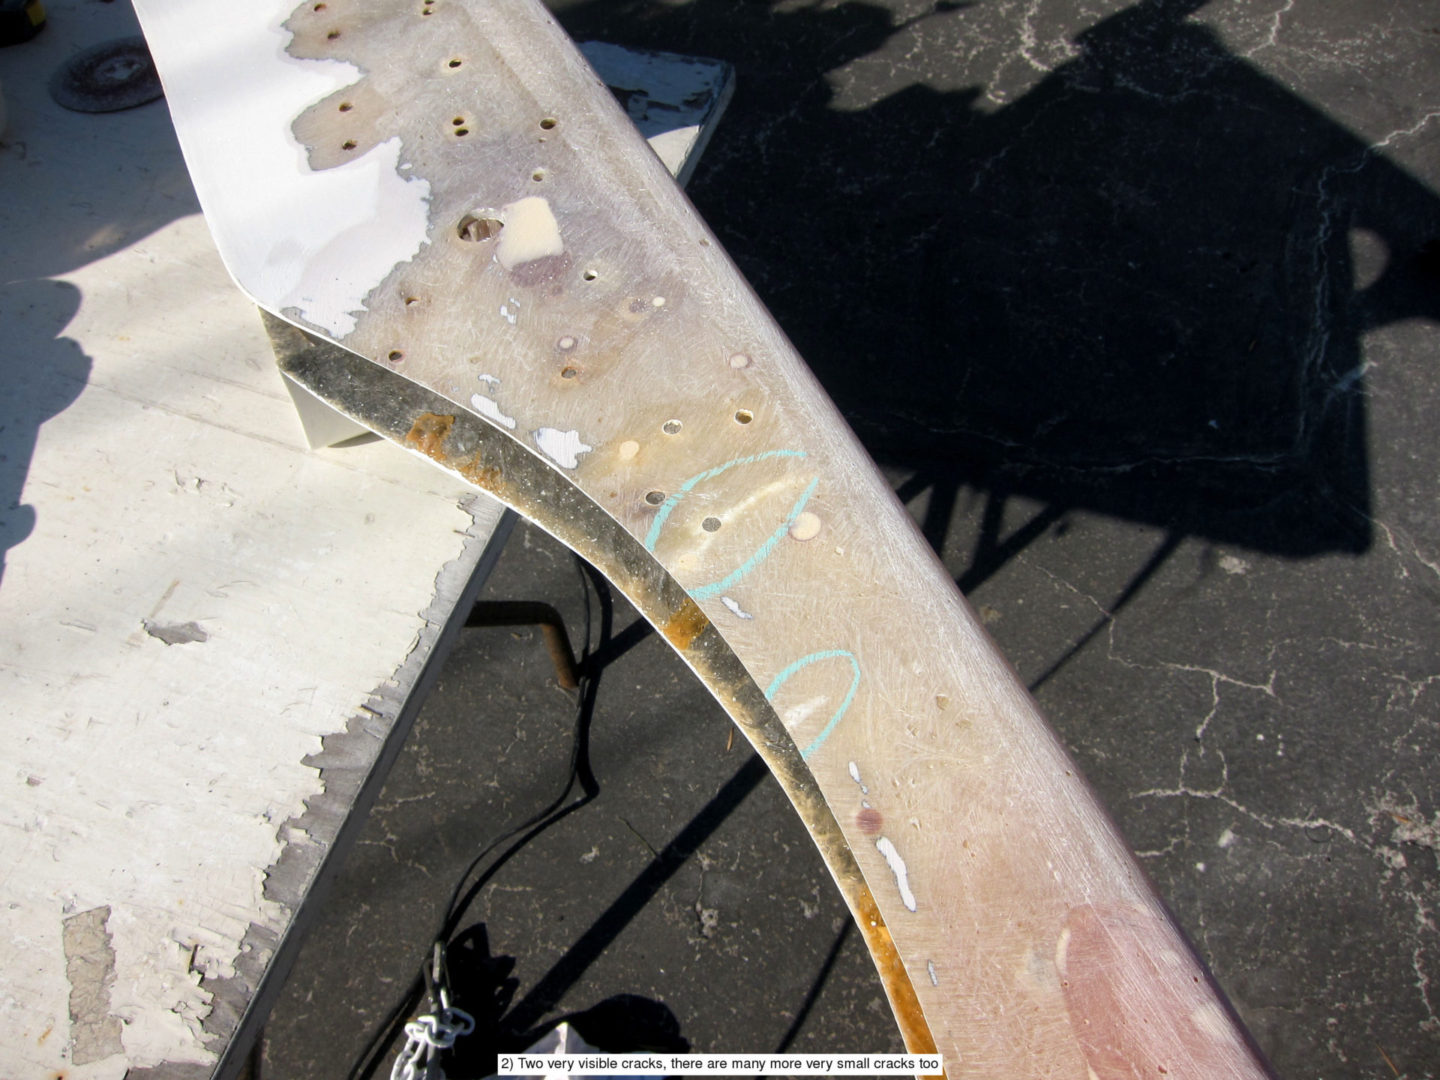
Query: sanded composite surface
x=447, y=190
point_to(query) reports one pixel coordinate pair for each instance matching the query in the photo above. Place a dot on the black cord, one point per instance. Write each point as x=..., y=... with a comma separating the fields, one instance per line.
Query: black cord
x=429, y=981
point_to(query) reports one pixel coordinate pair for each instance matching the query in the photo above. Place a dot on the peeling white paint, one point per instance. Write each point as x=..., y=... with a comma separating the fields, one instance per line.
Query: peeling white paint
x=490, y=380
x=510, y=311
x=314, y=242
x=930, y=970
x=531, y=232
x=562, y=447
x=897, y=867
x=490, y=409
x=735, y=608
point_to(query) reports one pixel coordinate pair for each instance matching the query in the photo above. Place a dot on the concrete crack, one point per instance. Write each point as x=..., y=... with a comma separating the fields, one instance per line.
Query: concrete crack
x=1216, y=678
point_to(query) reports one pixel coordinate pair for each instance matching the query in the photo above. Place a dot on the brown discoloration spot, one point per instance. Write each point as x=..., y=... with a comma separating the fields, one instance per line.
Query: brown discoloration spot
x=428, y=434
x=548, y=268
x=687, y=624
x=898, y=987
x=942, y=702
x=870, y=821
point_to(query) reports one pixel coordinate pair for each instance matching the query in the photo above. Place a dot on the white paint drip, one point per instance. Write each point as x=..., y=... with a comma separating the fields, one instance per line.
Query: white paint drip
x=531, y=232
x=735, y=608
x=897, y=867
x=563, y=447
x=855, y=775
x=930, y=969
x=316, y=242
x=490, y=409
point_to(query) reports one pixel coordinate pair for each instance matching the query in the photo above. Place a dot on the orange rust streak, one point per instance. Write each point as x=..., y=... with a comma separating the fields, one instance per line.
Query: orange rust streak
x=428, y=434
x=488, y=477
x=908, y=1014
x=687, y=624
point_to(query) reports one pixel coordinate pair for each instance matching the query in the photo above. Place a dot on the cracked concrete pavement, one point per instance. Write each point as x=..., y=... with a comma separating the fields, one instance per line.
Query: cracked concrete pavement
x=1136, y=304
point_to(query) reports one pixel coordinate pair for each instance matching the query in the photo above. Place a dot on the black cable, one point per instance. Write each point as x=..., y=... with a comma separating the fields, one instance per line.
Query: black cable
x=429, y=982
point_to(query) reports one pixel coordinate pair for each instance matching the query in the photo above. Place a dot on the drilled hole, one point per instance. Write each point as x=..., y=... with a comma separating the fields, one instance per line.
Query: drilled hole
x=711, y=524
x=425, y=11
x=332, y=35
x=568, y=373
x=346, y=106
x=744, y=416
x=458, y=121
x=538, y=175
x=548, y=124
x=654, y=498
x=396, y=356
x=319, y=7
x=411, y=301
x=462, y=131
x=478, y=228
x=348, y=144
x=454, y=63
x=590, y=275
x=671, y=427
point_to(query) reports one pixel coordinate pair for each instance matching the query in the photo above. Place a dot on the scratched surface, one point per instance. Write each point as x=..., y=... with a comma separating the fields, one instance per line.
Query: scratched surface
x=1102, y=203
x=545, y=274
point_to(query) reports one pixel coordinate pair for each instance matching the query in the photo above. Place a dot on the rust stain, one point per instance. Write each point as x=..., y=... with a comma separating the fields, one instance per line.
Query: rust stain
x=687, y=624
x=908, y=1014
x=428, y=434
x=486, y=477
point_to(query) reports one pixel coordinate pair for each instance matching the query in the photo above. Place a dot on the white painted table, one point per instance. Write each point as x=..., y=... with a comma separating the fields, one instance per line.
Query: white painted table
x=212, y=639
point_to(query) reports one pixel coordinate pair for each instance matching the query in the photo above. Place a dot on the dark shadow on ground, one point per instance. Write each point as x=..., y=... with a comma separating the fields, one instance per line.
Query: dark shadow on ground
x=42, y=372
x=1135, y=289
x=118, y=196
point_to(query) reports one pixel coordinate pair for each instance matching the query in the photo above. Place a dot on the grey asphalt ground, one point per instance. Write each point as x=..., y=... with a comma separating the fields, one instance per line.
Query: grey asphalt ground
x=1136, y=304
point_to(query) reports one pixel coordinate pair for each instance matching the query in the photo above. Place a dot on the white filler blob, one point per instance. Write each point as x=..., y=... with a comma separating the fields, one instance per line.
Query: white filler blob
x=564, y=447
x=897, y=867
x=531, y=232
x=318, y=242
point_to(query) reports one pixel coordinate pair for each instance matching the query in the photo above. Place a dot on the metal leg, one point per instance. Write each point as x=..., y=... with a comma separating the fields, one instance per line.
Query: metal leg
x=529, y=613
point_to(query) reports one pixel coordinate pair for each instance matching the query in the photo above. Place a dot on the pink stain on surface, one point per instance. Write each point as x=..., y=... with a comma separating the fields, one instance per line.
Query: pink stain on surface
x=1140, y=1004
